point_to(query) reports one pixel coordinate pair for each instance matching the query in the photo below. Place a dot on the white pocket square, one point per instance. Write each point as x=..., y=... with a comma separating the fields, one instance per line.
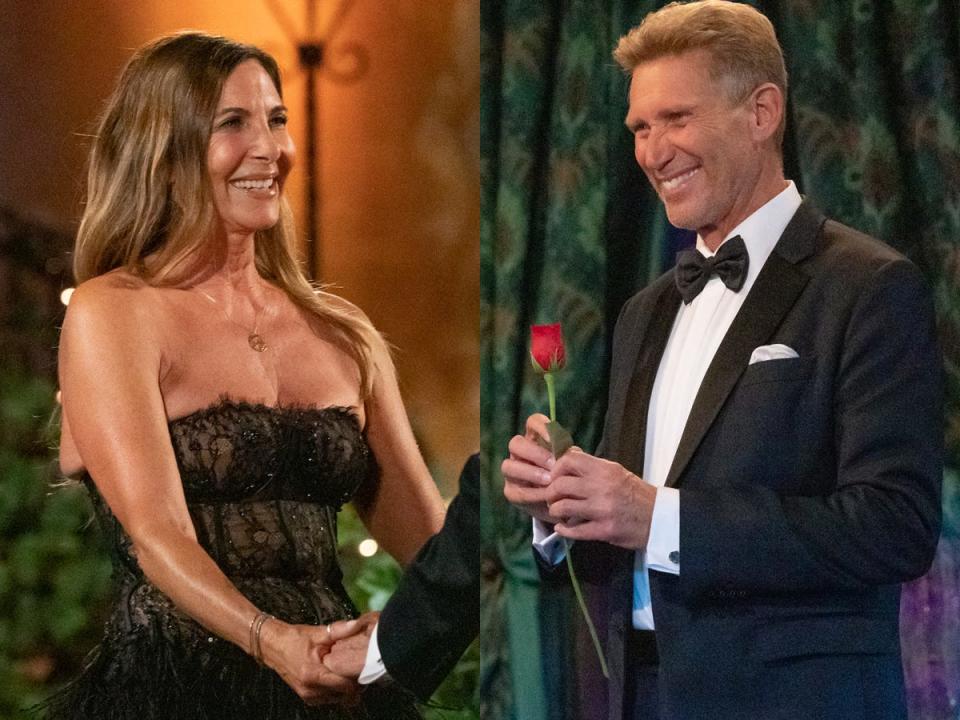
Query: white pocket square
x=772, y=352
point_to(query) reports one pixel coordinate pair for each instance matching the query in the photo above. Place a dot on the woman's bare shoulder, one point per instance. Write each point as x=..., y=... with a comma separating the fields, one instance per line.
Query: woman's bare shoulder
x=341, y=304
x=113, y=285
x=108, y=336
x=118, y=296
x=116, y=311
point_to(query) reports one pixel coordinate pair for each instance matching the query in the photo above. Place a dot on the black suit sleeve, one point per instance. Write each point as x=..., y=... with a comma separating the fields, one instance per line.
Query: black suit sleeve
x=435, y=612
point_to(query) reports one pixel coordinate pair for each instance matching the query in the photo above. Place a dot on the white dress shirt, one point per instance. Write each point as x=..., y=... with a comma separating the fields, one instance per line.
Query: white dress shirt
x=694, y=338
x=373, y=667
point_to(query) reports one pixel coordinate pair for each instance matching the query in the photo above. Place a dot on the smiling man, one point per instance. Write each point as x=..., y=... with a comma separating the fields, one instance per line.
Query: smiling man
x=771, y=459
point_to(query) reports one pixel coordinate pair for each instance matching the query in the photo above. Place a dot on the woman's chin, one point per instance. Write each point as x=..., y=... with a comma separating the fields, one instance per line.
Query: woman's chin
x=251, y=225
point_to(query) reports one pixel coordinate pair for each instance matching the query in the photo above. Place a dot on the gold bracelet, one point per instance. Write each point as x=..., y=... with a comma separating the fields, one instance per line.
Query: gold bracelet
x=262, y=621
x=256, y=625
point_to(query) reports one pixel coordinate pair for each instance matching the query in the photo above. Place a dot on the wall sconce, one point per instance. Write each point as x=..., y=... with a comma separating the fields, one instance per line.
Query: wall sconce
x=344, y=62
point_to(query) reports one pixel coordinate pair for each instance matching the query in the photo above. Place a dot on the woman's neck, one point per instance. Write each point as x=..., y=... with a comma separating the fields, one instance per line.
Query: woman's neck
x=230, y=268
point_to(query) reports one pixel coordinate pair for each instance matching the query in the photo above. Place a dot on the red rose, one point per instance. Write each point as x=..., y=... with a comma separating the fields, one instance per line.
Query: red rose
x=546, y=348
x=549, y=355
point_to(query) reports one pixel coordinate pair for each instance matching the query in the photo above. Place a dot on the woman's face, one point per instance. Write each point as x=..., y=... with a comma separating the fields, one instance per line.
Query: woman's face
x=250, y=151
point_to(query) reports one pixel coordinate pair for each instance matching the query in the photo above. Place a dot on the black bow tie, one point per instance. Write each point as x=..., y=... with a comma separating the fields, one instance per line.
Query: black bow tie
x=730, y=264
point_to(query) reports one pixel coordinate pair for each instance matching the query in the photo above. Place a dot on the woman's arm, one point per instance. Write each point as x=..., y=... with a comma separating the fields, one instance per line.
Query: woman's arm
x=404, y=509
x=110, y=364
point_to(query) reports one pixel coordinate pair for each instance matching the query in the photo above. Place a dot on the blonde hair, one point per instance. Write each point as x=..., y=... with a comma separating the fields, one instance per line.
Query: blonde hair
x=741, y=41
x=149, y=193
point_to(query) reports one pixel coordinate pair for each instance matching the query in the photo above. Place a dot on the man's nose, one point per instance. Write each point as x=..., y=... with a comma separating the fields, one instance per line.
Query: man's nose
x=656, y=150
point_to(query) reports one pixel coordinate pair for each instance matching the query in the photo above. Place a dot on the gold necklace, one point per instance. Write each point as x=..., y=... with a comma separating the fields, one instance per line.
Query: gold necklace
x=254, y=338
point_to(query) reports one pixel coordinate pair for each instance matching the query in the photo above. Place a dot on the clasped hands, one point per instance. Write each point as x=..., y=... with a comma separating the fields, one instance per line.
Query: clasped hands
x=321, y=663
x=584, y=497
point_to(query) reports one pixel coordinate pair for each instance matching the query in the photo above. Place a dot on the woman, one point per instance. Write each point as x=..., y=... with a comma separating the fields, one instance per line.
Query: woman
x=221, y=409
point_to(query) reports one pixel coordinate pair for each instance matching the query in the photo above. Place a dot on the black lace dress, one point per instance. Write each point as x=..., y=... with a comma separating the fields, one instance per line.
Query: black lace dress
x=263, y=486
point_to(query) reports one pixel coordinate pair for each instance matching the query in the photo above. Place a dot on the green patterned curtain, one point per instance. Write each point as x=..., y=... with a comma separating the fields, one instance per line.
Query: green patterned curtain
x=555, y=157
x=569, y=229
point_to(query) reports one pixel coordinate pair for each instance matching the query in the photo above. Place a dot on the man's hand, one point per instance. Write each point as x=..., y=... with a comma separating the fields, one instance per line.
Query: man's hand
x=350, y=640
x=296, y=653
x=348, y=656
x=526, y=472
x=594, y=499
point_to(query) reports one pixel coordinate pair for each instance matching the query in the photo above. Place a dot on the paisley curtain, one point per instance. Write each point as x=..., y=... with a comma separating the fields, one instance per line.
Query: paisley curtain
x=569, y=229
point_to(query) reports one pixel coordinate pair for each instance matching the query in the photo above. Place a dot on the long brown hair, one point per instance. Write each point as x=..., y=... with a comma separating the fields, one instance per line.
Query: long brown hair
x=148, y=192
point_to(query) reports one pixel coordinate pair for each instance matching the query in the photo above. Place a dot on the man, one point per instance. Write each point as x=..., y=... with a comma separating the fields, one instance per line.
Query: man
x=434, y=614
x=772, y=450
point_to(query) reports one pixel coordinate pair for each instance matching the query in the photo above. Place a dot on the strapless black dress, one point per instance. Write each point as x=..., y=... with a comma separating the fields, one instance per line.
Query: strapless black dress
x=263, y=486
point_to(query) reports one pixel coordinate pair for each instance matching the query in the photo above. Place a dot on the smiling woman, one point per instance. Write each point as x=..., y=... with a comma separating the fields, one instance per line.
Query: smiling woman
x=250, y=150
x=220, y=409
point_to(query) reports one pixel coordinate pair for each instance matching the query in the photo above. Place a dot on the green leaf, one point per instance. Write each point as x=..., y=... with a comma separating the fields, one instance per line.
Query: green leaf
x=560, y=439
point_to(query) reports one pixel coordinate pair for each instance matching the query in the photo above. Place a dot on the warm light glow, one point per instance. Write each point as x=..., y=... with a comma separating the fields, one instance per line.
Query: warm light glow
x=368, y=547
x=65, y=296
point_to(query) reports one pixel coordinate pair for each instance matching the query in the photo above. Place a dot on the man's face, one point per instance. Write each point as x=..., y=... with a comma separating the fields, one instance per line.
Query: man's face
x=693, y=143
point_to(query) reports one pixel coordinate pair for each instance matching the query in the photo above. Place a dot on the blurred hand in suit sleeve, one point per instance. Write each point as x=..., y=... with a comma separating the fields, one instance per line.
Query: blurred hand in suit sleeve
x=435, y=612
x=349, y=652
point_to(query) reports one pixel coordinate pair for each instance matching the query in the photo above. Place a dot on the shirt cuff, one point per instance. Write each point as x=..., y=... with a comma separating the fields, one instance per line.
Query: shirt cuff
x=549, y=544
x=373, y=670
x=663, y=545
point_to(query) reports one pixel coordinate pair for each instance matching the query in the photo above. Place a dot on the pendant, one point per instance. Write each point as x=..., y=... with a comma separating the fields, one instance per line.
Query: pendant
x=256, y=342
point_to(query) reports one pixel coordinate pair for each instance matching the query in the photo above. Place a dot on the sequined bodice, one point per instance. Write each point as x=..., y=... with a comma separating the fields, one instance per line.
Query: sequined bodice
x=263, y=485
x=236, y=451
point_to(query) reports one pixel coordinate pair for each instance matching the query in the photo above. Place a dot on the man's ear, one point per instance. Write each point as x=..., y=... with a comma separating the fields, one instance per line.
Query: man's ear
x=766, y=105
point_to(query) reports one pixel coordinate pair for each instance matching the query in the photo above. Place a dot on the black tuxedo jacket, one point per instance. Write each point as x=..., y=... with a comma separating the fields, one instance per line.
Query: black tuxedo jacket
x=809, y=487
x=435, y=612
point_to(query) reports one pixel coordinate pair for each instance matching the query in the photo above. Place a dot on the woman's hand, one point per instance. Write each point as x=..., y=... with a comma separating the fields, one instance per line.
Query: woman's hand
x=296, y=653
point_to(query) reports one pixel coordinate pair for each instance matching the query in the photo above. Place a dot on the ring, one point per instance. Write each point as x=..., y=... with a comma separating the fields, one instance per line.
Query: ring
x=329, y=631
